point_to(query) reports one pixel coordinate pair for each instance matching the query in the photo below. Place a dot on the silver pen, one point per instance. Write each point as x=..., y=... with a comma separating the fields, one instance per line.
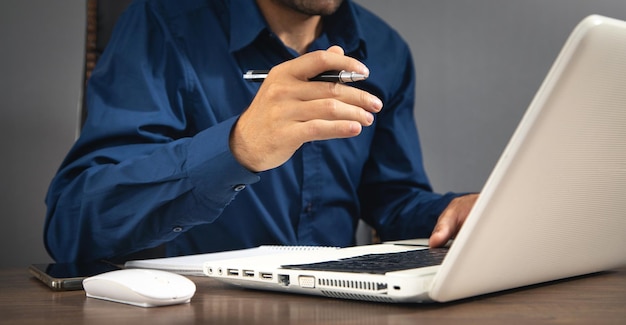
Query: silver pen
x=330, y=76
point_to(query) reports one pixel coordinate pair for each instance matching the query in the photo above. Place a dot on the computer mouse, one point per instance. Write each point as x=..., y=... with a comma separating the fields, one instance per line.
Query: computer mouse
x=140, y=287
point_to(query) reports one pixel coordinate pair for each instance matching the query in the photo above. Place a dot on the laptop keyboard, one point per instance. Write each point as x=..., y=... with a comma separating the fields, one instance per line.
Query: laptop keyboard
x=378, y=263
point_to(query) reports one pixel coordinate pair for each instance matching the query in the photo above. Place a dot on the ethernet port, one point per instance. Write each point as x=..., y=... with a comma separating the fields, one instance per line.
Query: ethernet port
x=283, y=279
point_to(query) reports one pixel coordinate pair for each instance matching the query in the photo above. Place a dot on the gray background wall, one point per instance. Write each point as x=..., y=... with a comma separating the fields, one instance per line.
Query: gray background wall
x=41, y=60
x=478, y=64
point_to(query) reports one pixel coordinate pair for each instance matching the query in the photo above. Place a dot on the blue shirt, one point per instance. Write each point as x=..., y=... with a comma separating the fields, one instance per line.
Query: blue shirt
x=152, y=165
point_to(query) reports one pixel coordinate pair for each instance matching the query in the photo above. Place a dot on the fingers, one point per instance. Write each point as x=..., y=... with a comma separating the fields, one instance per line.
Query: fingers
x=321, y=102
x=332, y=110
x=325, y=130
x=280, y=83
x=312, y=64
x=445, y=230
x=289, y=110
x=325, y=119
x=336, y=49
x=315, y=103
x=451, y=220
x=343, y=93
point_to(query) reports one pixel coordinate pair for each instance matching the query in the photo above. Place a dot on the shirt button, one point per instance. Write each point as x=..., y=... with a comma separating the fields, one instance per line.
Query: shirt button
x=177, y=229
x=239, y=188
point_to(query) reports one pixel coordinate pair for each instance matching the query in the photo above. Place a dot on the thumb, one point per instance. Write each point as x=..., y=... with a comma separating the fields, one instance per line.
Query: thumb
x=440, y=235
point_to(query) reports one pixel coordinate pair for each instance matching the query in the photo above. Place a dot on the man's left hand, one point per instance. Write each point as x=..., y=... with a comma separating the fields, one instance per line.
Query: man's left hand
x=451, y=220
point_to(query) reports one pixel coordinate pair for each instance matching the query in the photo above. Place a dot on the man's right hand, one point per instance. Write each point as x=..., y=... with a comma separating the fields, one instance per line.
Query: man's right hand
x=289, y=110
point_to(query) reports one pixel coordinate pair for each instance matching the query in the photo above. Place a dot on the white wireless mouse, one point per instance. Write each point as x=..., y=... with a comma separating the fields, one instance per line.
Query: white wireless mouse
x=140, y=287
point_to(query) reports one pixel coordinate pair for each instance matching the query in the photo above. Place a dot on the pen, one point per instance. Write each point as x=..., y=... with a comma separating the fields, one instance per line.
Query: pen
x=330, y=76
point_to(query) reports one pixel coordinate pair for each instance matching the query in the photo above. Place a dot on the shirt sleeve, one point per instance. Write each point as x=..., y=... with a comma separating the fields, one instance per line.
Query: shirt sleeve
x=141, y=172
x=396, y=196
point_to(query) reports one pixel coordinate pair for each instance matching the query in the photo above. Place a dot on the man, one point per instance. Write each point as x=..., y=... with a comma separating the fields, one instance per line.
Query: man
x=179, y=151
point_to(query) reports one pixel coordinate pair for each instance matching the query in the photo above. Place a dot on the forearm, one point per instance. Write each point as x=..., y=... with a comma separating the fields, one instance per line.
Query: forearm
x=112, y=210
x=411, y=216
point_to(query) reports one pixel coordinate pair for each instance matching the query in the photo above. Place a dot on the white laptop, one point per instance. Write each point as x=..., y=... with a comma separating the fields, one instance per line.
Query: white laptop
x=554, y=206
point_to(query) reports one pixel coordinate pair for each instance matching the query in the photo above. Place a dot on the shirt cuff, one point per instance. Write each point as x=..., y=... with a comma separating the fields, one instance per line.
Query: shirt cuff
x=211, y=167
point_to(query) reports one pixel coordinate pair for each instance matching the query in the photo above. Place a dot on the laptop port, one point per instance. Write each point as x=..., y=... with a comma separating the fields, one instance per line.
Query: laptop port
x=266, y=275
x=306, y=281
x=232, y=272
x=283, y=279
x=248, y=273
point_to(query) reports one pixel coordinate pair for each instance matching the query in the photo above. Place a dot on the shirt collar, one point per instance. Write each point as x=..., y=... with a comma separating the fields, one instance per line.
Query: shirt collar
x=342, y=28
x=246, y=23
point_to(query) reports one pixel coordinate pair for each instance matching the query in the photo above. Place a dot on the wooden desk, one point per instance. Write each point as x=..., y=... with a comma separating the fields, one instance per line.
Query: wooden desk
x=594, y=299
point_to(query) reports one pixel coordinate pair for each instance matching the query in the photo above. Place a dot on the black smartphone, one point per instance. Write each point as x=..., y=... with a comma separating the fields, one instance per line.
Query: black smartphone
x=69, y=276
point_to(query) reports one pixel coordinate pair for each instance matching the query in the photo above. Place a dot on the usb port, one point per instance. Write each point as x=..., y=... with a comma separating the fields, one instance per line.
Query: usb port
x=266, y=275
x=232, y=272
x=248, y=273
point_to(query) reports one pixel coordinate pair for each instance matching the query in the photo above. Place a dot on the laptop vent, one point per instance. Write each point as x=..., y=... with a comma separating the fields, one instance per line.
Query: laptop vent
x=343, y=295
x=361, y=285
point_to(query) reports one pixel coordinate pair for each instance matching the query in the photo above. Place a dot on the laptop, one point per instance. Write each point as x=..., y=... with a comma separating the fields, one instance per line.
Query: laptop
x=553, y=207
